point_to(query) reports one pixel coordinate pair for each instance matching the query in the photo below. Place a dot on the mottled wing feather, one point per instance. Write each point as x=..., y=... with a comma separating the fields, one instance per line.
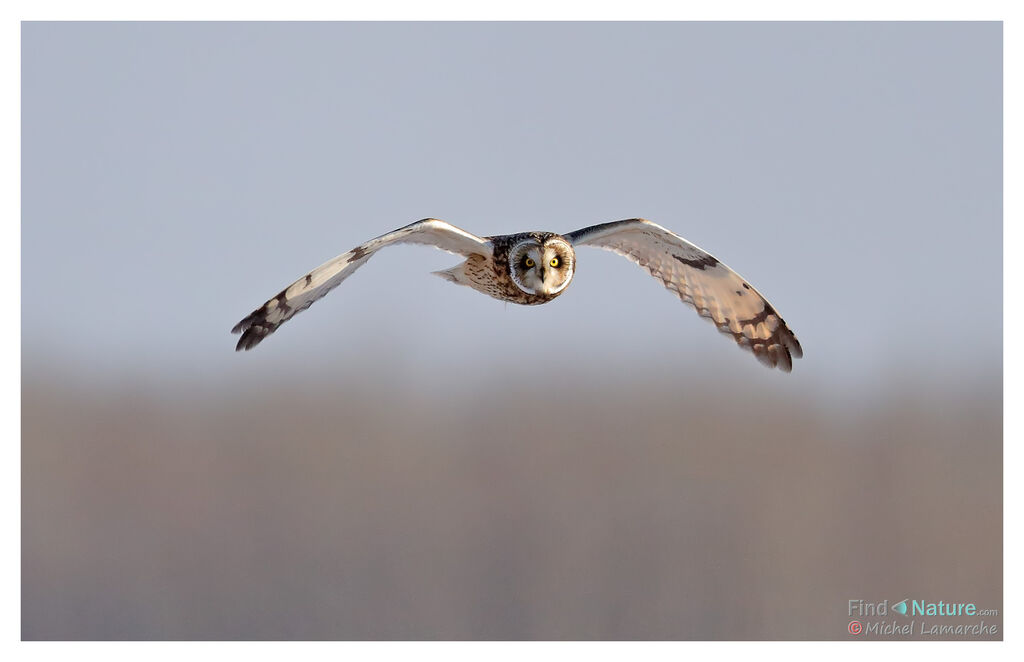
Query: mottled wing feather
x=302, y=293
x=717, y=292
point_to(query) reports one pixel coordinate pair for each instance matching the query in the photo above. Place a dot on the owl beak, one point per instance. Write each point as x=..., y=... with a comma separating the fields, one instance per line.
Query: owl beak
x=543, y=289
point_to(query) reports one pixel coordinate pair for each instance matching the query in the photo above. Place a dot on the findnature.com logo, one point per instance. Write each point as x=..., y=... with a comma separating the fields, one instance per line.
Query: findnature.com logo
x=915, y=615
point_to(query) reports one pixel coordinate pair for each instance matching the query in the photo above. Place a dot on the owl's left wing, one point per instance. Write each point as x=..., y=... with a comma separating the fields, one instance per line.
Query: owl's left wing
x=699, y=279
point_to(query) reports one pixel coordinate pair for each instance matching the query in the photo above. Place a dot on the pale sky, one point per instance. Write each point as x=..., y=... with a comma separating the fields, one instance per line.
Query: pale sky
x=175, y=176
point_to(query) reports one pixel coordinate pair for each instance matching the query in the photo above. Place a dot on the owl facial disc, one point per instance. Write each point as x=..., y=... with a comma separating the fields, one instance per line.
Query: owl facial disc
x=542, y=268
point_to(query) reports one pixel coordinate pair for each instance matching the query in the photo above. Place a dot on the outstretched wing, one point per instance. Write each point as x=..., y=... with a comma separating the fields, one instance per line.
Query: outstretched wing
x=716, y=291
x=302, y=293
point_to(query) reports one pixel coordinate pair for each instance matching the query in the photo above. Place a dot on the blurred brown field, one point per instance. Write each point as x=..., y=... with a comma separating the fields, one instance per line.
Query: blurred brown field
x=609, y=511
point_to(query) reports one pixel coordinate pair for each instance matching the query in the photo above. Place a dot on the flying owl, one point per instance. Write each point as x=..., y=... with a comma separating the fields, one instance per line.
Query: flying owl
x=532, y=268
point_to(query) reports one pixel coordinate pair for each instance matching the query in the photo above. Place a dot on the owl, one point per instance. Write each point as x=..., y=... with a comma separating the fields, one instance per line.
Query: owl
x=532, y=268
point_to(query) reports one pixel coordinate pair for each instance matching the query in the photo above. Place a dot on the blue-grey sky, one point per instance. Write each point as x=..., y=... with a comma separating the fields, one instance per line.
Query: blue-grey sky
x=177, y=175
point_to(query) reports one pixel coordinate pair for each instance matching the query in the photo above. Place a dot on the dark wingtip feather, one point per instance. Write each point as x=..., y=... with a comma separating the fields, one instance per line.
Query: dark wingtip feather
x=252, y=337
x=795, y=348
x=252, y=330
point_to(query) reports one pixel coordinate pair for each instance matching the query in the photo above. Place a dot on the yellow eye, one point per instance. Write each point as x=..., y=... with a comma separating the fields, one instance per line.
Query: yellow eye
x=529, y=262
x=554, y=262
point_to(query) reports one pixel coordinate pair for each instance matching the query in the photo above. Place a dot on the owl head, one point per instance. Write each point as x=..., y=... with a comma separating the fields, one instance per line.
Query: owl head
x=542, y=264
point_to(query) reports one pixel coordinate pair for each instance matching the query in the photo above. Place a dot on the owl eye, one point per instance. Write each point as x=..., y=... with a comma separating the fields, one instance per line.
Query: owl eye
x=529, y=262
x=554, y=262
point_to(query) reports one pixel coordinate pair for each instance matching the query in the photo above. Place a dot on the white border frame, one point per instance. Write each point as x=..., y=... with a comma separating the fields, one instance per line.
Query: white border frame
x=10, y=38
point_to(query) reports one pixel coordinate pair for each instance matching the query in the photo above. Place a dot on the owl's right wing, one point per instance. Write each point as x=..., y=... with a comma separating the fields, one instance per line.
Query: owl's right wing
x=302, y=293
x=699, y=279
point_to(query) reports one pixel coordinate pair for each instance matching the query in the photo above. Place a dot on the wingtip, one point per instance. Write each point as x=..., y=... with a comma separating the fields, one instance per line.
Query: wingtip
x=784, y=359
x=252, y=337
x=773, y=356
x=252, y=333
x=791, y=346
